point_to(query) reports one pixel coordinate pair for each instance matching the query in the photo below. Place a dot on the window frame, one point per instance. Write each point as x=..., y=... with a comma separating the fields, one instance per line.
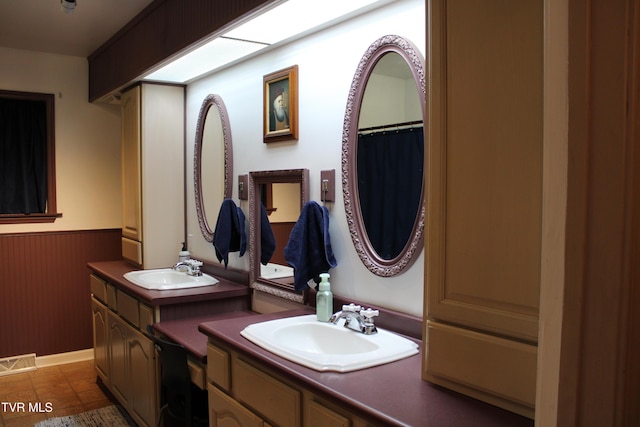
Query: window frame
x=51, y=214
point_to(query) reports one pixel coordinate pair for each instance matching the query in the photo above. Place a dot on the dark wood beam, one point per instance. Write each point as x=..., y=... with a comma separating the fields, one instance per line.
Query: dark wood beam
x=160, y=31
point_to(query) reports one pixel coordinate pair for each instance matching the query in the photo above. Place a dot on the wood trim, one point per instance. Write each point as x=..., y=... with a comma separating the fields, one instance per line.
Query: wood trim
x=31, y=218
x=630, y=409
x=599, y=379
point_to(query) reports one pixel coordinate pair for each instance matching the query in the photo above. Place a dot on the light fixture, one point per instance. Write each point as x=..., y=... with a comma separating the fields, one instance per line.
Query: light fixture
x=68, y=6
x=295, y=17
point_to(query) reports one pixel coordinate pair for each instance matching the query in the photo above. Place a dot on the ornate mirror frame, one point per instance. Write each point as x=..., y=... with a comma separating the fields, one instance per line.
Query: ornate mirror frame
x=366, y=252
x=211, y=101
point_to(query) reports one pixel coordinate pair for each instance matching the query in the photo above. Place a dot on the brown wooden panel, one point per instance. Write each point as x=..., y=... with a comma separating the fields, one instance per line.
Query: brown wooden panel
x=493, y=369
x=160, y=31
x=281, y=232
x=45, y=306
x=486, y=166
x=204, y=308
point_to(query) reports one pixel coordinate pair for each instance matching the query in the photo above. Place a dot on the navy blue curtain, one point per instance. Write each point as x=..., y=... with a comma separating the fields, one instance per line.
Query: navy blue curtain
x=390, y=176
x=23, y=156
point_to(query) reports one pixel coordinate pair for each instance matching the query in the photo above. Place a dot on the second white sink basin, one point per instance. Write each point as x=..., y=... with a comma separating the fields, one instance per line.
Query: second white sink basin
x=328, y=347
x=275, y=271
x=168, y=279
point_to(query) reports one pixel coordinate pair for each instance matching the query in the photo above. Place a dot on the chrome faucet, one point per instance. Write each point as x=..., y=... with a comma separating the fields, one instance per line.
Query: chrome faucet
x=356, y=318
x=190, y=266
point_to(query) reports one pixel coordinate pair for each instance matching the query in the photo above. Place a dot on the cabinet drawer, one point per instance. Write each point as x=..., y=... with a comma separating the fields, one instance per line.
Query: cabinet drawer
x=128, y=308
x=146, y=316
x=271, y=398
x=218, y=367
x=494, y=369
x=318, y=415
x=224, y=411
x=112, y=301
x=132, y=250
x=196, y=372
x=98, y=288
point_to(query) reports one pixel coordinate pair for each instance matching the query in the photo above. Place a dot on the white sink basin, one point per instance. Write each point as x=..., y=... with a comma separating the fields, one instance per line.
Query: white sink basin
x=275, y=271
x=168, y=279
x=328, y=347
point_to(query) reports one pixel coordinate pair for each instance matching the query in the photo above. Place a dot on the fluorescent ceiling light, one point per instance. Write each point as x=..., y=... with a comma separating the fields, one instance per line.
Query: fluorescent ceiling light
x=290, y=19
x=213, y=55
x=295, y=17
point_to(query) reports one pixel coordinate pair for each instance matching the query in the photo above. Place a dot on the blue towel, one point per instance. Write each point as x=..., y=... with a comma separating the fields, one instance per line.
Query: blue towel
x=229, y=235
x=267, y=239
x=309, y=248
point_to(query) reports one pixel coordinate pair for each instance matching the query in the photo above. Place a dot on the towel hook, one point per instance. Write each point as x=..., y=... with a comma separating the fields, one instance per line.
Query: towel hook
x=325, y=189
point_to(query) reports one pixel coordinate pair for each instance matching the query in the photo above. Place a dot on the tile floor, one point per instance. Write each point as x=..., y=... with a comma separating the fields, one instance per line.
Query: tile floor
x=53, y=391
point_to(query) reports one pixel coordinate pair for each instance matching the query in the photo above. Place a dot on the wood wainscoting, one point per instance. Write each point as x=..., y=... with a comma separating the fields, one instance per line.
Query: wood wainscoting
x=44, y=289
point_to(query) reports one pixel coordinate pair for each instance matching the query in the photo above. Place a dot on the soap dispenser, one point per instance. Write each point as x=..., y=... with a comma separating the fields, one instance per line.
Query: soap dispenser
x=324, y=299
x=184, y=254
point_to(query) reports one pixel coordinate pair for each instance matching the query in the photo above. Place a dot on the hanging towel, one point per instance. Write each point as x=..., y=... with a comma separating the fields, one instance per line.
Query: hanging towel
x=309, y=248
x=229, y=235
x=267, y=239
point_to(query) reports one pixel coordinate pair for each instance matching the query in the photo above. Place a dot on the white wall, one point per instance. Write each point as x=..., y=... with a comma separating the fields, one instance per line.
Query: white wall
x=326, y=61
x=87, y=140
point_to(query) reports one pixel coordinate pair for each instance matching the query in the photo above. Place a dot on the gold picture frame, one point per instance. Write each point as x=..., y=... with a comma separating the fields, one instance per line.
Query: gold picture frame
x=280, y=118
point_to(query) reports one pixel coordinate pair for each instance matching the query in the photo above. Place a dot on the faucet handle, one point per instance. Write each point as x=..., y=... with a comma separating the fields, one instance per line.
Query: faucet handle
x=369, y=313
x=351, y=307
x=195, y=263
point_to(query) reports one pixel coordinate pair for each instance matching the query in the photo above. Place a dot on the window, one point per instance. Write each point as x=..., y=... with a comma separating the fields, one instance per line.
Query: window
x=27, y=159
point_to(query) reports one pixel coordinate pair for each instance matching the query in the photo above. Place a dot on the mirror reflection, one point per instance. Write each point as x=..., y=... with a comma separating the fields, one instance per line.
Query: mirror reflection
x=390, y=155
x=276, y=197
x=383, y=156
x=212, y=151
x=282, y=205
x=212, y=163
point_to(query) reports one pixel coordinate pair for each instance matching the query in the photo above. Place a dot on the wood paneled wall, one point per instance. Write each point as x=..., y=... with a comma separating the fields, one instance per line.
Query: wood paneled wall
x=44, y=289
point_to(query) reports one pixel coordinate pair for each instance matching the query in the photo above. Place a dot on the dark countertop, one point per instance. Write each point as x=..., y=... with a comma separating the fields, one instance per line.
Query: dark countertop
x=114, y=271
x=392, y=394
x=186, y=332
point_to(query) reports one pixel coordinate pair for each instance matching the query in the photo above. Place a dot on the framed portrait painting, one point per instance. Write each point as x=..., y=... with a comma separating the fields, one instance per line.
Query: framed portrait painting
x=281, y=105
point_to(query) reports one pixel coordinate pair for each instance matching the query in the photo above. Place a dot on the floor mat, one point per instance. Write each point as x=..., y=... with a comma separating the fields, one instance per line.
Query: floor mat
x=110, y=416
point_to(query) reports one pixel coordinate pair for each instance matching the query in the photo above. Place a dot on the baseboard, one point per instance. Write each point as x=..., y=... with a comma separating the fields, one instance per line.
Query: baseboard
x=62, y=358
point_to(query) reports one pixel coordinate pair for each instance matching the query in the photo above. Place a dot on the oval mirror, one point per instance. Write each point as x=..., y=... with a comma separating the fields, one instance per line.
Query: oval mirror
x=383, y=156
x=213, y=165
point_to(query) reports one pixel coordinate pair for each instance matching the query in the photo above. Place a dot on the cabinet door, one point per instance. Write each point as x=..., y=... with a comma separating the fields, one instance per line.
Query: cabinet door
x=131, y=173
x=482, y=267
x=100, y=339
x=143, y=373
x=226, y=412
x=267, y=395
x=117, y=339
x=319, y=415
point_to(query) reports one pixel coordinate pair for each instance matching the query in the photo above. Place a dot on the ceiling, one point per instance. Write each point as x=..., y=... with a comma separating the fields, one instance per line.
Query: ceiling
x=40, y=25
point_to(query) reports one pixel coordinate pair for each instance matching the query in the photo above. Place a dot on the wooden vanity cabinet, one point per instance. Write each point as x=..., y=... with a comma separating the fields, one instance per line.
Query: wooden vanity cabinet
x=243, y=392
x=100, y=339
x=152, y=178
x=224, y=411
x=484, y=186
x=124, y=357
